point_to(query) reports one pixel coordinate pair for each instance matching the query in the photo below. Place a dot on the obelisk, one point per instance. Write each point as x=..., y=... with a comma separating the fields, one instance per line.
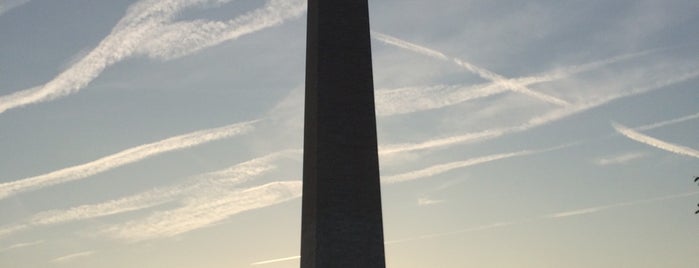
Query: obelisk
x=341, y=213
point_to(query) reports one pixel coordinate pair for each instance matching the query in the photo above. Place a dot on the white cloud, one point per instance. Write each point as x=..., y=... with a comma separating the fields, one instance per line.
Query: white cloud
x=147, y=29
x=670, y=147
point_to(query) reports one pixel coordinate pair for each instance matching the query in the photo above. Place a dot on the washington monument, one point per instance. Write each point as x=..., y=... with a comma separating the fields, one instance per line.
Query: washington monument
x=341, y=217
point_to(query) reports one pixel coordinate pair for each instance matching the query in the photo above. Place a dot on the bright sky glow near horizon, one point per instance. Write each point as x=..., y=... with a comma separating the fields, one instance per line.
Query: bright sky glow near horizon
x=168, y=133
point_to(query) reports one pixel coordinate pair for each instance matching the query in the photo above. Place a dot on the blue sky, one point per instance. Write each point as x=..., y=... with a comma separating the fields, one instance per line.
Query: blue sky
x=168, y=133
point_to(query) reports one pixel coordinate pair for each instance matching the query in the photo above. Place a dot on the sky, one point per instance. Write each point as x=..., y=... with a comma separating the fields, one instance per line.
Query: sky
x=169, y=133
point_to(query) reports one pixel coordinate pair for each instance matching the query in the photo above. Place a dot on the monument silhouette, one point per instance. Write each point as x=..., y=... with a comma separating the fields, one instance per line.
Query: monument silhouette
x=341, y=211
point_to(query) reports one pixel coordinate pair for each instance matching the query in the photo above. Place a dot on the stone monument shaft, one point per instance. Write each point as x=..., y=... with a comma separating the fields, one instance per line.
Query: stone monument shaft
x=341, y=214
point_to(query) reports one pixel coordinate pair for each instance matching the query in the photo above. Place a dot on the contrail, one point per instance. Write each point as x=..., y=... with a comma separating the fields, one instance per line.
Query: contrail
x=22, y=245
x=534, y=122
x=225, y=178
x=440, y=142
x=122, y=158
x=441, y=168
x=205, y=210
x=668, y=122
x=589, y=210
x=670, y=147
x=457, y=232
x=619, y=159
x=516, y=87
x=387, y=39
x=183, y=38
x=564, y=214
x=398, y=241
x=276, y=260
x=484, y=227
x=147, y=29
x=427, y=201
x=414, y=99
x=482, y=72
x=73, y=256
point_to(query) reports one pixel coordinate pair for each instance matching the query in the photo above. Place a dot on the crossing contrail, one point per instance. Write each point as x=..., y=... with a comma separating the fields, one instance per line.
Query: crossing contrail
x=482, y=72
x=148, y=29
x=547, y=118
x=124, y=157
x=415, y=99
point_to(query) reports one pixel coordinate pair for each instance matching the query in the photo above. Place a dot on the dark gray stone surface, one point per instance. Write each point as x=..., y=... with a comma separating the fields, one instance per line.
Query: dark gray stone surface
x=341, y=217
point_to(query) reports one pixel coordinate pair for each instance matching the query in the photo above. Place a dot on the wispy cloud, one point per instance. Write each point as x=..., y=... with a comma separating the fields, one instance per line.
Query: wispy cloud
x=12, y=229
x=619, y=159
x=7, y=5
x=578, y=212
x=73, y=256
x=452, y=233
x=485, y=227
x=424, y=201
x=147, y=29
x=663, y=145
x=22, y=245
x=482, y=72
x=122, y=158
x=199, y=185
x=205, y=210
